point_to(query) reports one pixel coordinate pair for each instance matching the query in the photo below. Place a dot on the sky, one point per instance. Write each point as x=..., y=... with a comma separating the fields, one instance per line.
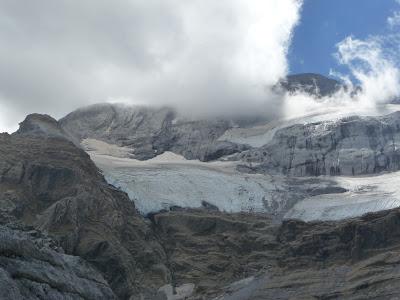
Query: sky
x=202, y=56
x=325, y=23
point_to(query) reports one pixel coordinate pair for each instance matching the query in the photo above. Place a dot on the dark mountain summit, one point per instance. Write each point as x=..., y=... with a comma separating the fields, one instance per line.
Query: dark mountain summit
x=313, y=84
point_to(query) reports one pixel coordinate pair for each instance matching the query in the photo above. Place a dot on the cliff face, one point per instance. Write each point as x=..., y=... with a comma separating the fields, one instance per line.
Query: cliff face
x=313, y=84
x=348, y=146
x=246, y=256
x=151, y=131
x=32, y=266
x=49, y=183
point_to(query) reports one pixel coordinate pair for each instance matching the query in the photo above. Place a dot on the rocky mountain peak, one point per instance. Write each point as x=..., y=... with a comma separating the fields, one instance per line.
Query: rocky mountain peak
x=311, y=83
x=38, y=123
x=44, y=126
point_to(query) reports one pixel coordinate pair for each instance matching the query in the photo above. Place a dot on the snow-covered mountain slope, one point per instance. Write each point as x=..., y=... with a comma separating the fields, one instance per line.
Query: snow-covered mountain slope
x=290, y=168
x=169, y=180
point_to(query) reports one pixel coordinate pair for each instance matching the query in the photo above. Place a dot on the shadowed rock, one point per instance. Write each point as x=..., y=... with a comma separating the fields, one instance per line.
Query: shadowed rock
x=313, y=84
x=49, y=183
x=33, y=267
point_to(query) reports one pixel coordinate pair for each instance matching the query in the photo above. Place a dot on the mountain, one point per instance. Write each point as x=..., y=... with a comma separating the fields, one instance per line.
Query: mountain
x=348, y=146
x=151, y=131
x=48, y=184
x=32, y=266
x=313, y=84
x=123, y=202
x=231, y=157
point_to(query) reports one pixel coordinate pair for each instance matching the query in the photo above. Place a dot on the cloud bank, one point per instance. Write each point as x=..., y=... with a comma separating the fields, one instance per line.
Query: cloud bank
x=373, y=78
x=201, y=54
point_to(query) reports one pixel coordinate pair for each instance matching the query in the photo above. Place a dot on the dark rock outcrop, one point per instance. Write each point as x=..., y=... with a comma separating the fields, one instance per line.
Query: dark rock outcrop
x=212, y=249
x=43, y=126
x=353, y=259
x=49, y=183
x=313, y=84
x=33, y=267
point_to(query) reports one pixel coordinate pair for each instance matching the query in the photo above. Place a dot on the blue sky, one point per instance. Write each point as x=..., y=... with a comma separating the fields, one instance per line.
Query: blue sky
x=324, y=23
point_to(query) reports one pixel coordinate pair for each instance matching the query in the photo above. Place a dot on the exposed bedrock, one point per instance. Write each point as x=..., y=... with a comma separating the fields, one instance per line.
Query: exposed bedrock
x=33, y=267
x=49, y=183
x=151, y=131
x=313, y=84
x=349, y=146
x=246, y=256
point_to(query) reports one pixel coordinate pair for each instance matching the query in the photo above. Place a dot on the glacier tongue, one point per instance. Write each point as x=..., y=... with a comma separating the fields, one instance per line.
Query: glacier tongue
x=365, y=194
x=169, y=180
x=157, y=185
x=161, y=184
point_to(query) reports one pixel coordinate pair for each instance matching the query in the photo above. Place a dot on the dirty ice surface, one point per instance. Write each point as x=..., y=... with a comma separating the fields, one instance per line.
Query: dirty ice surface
x=365, y=194
x=170, y=180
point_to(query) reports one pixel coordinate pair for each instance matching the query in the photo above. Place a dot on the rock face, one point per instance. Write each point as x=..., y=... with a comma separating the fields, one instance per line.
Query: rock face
x=353, y=259
x=282, y=150
x=349, y=146
x=151, y=131
x=44, y=126
x=313, y=84
x=212, y=249
x=49, y=183
x=33, y=267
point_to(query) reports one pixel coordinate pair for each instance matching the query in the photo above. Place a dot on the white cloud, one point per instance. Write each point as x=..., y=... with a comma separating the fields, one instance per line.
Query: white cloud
x=372, y=67
x=394, y=20
x=56, y=56
x=373, y=64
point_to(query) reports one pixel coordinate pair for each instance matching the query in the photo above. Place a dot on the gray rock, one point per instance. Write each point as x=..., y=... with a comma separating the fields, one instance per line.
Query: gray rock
x=349, y=146
x=49, y=183
x=313, y=84
x=31, y=267
x=44, y=126
x=151, y=131
x=247, y=256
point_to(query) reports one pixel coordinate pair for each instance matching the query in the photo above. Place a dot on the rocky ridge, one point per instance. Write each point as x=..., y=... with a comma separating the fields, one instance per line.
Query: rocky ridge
x=151, y=131
x=348, y=146
x=32, y=266
x=313, y=84
x=246, y=256
x=49, y=183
